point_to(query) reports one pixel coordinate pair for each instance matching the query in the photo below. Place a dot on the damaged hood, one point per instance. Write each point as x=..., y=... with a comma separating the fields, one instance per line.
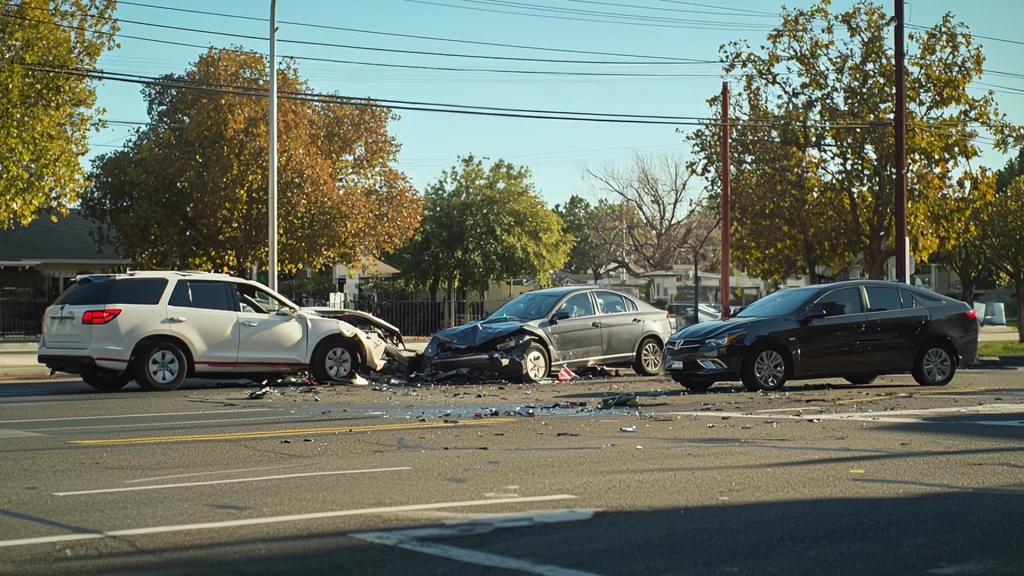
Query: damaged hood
x=476, y=333
x=354, y=314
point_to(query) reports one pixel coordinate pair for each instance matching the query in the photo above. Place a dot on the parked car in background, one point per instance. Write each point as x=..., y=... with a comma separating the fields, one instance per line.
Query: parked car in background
x=544, y=329
x=157, y=328
x=856, y=330
x=682, y=312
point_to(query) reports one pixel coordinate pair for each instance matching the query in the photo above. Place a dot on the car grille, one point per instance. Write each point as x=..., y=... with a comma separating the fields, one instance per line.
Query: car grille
x=684, y=345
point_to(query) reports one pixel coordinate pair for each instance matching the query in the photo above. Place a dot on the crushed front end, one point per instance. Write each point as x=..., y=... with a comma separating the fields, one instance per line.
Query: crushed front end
x=502, y=357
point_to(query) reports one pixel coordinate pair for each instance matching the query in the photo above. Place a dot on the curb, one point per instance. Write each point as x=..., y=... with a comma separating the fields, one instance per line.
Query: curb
x=1000, y=361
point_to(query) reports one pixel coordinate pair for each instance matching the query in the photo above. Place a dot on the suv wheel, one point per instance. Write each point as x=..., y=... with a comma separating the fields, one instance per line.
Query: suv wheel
x=107, y=381
x=161, y=366
x=335, y=360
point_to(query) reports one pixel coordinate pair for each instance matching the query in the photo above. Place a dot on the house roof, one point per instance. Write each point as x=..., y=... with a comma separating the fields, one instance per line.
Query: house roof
x=374, y=267
x=66, y=240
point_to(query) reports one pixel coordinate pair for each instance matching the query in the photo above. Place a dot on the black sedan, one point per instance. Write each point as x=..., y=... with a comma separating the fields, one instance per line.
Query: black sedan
x=856, y=330
x=570, y=327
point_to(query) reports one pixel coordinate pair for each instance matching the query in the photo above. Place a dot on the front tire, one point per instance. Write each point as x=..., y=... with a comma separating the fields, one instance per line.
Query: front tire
x=336, y=360
x=107, y=381
x=765, y=369
x=161, y=367
x=536, y=364
x=648, y=358
x=935, y=365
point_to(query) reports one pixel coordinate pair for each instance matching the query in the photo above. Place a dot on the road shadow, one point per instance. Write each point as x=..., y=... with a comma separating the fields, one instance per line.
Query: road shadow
x=954, y=532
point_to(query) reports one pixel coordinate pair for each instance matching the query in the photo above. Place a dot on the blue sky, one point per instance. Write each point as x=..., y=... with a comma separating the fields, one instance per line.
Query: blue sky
x=554, y=151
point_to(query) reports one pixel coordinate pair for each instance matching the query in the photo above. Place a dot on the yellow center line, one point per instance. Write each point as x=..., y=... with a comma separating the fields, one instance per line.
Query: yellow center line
x=293, y=432
x=910, y=395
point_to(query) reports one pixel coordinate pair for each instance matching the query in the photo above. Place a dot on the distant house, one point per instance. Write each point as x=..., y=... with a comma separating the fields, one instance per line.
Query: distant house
x=38, y=261
x=347, y=278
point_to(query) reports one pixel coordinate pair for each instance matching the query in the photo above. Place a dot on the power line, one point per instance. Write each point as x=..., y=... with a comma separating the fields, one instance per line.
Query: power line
x=358, y=62
x=973, y=35
x=743, y=10
x=677, y=61
x=409, y=36
x=599, y=14
x=723, y=27
x=409, y=105
x=676, y=10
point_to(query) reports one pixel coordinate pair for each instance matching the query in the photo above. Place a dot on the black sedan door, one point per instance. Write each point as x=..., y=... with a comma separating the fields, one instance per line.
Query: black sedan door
x=893, y=329
x=832, y=346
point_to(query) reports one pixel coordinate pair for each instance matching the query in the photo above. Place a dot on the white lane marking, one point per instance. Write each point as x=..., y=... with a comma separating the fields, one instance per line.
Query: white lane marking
x=412, y=540
x=277, y=520
x=230, y=481
x=791, y=409
x=174, y=423
x=192, y=474
x=882, y=416
x=16, y=434
x=137, y=415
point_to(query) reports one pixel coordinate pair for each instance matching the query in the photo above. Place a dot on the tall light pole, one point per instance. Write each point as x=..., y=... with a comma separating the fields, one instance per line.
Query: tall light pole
x=902, y=243
x=272, y=191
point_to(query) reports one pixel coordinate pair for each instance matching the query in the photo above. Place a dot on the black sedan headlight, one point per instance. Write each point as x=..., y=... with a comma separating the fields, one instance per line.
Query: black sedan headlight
x=723, y=341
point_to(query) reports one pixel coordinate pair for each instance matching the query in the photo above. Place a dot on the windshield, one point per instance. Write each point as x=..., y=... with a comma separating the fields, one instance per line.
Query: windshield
x=778, y=303
x=529, y=306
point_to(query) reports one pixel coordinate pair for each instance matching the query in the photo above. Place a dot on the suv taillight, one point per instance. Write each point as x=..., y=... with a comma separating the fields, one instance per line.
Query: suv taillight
x=972, y=314
x=95, y=317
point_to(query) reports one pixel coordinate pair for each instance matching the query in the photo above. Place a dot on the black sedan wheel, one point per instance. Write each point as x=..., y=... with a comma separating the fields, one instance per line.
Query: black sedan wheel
x=935, y=365
x=765, y=369
x=648, y=358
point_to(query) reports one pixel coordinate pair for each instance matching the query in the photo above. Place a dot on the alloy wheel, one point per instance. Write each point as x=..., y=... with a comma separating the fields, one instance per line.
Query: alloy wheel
x=163, y=366
x=536, y=365
x=769, y=368
x=937, y=365
x=338, y=363
x=651, y=357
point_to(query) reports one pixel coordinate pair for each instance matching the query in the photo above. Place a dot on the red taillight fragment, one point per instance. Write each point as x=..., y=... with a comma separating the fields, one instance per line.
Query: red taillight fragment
x=972, y=314
x=96, y=317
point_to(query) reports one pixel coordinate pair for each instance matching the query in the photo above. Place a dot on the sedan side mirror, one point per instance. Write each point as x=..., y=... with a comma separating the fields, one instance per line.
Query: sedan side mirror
x=814, y=312
x=560, y=316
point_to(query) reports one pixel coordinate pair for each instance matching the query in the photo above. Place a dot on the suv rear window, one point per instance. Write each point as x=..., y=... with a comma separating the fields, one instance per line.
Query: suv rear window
x=103, y=291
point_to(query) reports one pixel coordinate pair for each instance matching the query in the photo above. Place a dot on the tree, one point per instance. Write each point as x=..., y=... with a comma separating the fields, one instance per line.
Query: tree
x=821, y=85
x=190, y=189
x=46, y=114
x=597, y=229
x=661, y=215
x=482, y=224
x=962, y=224
x=1007, y=231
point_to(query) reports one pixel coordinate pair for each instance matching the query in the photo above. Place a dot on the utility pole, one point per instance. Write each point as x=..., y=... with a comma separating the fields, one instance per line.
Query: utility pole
x=902, y=242
x=272, y=191
x=726, y=173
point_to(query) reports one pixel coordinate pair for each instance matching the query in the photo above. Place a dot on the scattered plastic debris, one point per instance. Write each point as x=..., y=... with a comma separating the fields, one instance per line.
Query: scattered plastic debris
x=358, y=380
x=573, y=435
x=316, y=398
x=566, y=375
x=286, y=441
x=628, y=429
x=307, y=440
x=711, y=425
x=527, y=411
x=620, y=401
x=258, y=394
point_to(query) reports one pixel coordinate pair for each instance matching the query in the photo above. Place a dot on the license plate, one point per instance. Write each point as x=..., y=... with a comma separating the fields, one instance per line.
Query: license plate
x=63, y=323
x=676, y=366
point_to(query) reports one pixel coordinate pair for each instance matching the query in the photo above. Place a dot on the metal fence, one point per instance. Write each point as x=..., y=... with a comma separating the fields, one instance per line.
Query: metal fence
x=418, y=318
x=21, y=319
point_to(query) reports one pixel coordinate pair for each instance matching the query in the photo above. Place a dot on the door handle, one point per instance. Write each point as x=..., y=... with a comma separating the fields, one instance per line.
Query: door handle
x=178, y=319
x=595, y=324
x=637, y=320
x=250, y=323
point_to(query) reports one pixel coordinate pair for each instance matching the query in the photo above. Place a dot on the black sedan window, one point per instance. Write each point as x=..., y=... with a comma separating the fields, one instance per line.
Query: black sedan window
x=779, y=303
x=882, y=299
x=842, y=302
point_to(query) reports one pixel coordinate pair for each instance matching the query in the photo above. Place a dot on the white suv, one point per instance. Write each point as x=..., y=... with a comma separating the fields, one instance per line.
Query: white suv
x=158, y=328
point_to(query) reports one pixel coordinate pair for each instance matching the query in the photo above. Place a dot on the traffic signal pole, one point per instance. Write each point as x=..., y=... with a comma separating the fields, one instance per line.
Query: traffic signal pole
x=902, y=245
x=726, y=173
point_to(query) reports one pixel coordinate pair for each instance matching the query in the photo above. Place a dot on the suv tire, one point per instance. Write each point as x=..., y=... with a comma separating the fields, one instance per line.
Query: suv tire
x=161, y=366
x=335, y=360
x=107, y=381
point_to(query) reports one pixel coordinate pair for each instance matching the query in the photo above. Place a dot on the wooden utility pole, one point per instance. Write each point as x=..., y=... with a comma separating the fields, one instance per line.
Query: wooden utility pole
x=726, y=172
x=902, y=245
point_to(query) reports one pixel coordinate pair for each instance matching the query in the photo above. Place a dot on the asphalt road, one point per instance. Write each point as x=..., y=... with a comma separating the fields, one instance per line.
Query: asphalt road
x=823, y=478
